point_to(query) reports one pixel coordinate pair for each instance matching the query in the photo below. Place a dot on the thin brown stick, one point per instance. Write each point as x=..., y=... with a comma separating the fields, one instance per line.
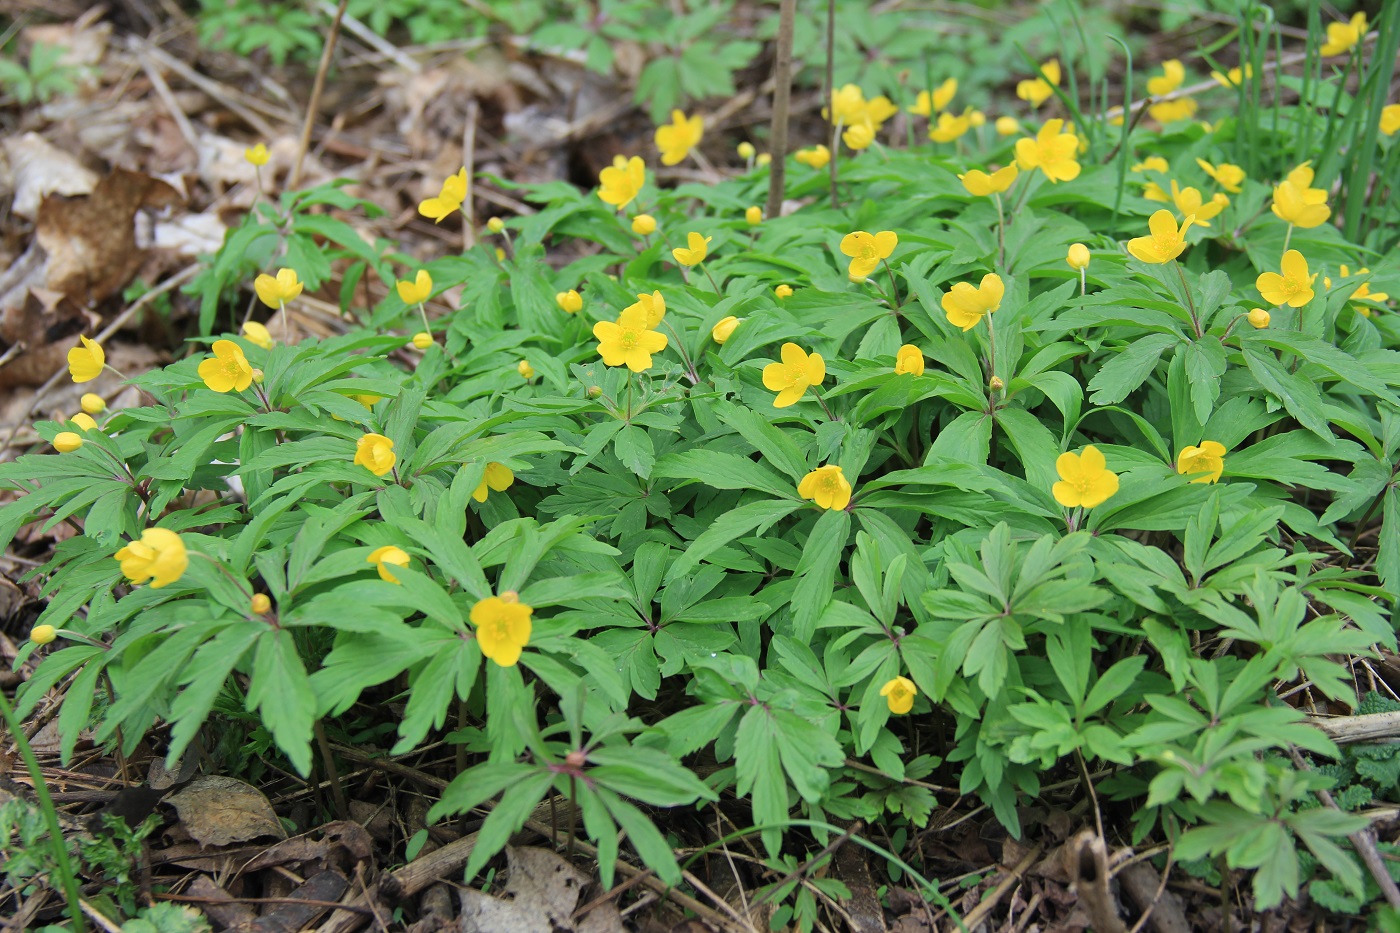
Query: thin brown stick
x=317, y=87
x=989, y=903
x=1363, y=840
x=782, y=96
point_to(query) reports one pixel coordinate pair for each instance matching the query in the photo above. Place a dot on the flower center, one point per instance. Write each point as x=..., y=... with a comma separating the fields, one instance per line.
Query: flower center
x=629, y=339
x=829, y=481
x=502, y=630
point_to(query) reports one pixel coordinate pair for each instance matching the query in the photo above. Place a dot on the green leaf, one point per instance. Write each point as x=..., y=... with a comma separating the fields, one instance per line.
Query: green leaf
x=1129, y=369
x=281, y=694
x=757, y=516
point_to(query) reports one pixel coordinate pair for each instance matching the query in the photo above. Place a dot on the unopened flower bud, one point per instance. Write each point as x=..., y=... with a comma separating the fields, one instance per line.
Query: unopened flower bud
x=260, y=604
x=42, y=634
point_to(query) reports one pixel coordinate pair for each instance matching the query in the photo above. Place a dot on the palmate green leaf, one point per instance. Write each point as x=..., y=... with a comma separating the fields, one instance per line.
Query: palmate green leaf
x=817, y=571
x=633, y=446
x=653, y=849
x=723, y=471
x=203, y=678
x=777, y=448
x=281, y=694
x=754, y=516
x=1129, y=369
x=452, y=669
x=647, y=774
x=1299, y=396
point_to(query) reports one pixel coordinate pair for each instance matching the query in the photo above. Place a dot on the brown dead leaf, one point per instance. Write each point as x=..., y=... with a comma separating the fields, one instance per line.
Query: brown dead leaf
x=541, y=894
x=43, y=327
x=217, y=810
x=39, y=169
x=91, y=241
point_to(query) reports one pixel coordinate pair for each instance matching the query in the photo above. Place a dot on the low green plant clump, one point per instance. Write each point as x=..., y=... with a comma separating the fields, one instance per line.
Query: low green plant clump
x=975, y=475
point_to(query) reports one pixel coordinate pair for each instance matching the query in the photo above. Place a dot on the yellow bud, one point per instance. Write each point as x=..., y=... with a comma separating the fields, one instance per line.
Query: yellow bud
x=42, y=634
x=92, y=403
x=510, y=596
x=495, y=225
x=422, y=340
x=746, y=150
x=260, y=604
x=257, y=376
x=644, y=225
x=256, y=155
x=754, y=216
x=1078, y=257
x=1008, y=126
x=764, y=158
x=500, y=255
x=83, y=420
x=722, y=330
x=996, y=385
x=977, y=118
x=525, y=369
x=67, y=442
x=1259, y=318
x=594, y=391
x=570, y=302
x=783, y=291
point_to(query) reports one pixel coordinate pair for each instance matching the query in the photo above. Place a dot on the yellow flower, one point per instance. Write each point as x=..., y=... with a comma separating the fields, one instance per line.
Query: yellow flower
x=794, y=375
x=260, y=604
x=1234, y=77
x=1390, y=119
x=449, y=199
x=1299, y=207
x=257, y=334
x=851, y=108
x=927, y=104
x=899, y=693
x=495, y=225
x=417, y=291
x=1085, y=480
x=1208, y=459
x=1169, y=111
x=570, y=302
x=92, y=403
x=1188, y=201
x=753, y=216
x=677, y=138
x=275, y=292
x=653, y=306
x=1259, y=318
x=981, y=184
x=1293, y=287
x=1301, y=178
x=724, y=329
x=367, y=400
x=1037, y=90
x=386, y=556
x=1152, y=164
x=764, y=158
x=629, y=341
x=1078, y=257
x=375, y=453
x=422, y=340
x=622, y=181
x=909, y=359
x=816, y=157
x=867, y=250
x=949, y=127
x=1362, y=293
x=1171, y=78
x=159, y=556
x=1228, y=176
x=66, y=442
x=525, y=370
x=976, y=117
x=783, y=291
x=43, y=634
x=1166, y=241
x=228, y=369
x=502, y=627
x=644, y=225
x=1153, y=192
x=746, y=150
x=498, y=477
x=966, y=304
x=1051, y=151
x=1341, y=37
x=859, y=136
x=85, y=362
x=84, y=421
x=256, y=155
x=1007, y=126
x=827, y=487
x=698, y=248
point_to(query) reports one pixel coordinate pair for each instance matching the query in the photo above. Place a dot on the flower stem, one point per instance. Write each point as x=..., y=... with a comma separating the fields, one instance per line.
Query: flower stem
x=1190, y=300
x=713, y=284
x=817, y=392
x=1001, y=231
x=628, y=419
x=894, y=288
x=1287, y=237
x=680, y=348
